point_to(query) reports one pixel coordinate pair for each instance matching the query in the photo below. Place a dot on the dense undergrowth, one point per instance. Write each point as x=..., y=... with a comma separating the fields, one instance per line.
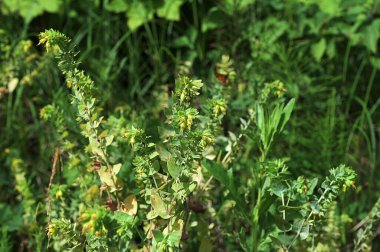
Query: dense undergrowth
x=189, y=125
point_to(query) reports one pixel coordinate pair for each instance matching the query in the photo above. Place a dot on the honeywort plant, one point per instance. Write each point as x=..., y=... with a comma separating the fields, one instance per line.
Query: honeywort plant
x=164, y=172
x=144, y=198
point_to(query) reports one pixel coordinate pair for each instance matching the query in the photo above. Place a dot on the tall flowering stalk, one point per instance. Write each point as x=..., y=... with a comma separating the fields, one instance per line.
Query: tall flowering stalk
x=83, y=97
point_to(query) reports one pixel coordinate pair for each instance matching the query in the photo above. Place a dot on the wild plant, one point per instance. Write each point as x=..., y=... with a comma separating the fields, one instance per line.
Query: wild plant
x=366, y=229
x=280, y=209
x=151, y=207
x=164, y=172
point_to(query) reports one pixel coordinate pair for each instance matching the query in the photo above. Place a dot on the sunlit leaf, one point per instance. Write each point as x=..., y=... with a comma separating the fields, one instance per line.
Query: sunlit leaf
x=318, y=49
x=116, y=168
x=130, y=204
x=159, y=205
x=12, y=84
x=170, y=10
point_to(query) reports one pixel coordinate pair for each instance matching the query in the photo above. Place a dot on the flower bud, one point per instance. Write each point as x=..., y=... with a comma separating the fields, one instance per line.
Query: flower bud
x=182, y=123
x=216, y=110
x=189, y=122
x=352, y=184
x=182, y=97
x=59, y=194
x=223, y=109
x=51, y=230
x=132, y=141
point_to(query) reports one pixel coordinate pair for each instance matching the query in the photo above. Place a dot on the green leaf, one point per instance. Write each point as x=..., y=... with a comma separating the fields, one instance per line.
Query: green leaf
x=371, y=35
x=305, y=232
x=244, y=3
x=109, y=140
x=331, y=49
x=116, y=169
x=187, y=40
x=12, y=84
x=215, y=18
x=218, y=172
x=301, y=227
x=174, y=238
x=138, y=14
x=260, y=117
x=153, y=155
x=173, y=169
x=51, y=5
x=164, y=153
x=151, y=215
x=177, y=186
x=209, y=153
x=281, y=240
x=278, y=188
x=30, y=9
x=312, y=185
x=123, y=217
x=158, y=235
x=107, y=178
x=130, y=205
x=170, y=10
x=231, y=6
x=159, y=205
x=117, y=6
x=318, y=49
x=191, y=187
x=375, y=62
x=287, y=112
x=95, y=148
x=276, y=241
x=331, y=7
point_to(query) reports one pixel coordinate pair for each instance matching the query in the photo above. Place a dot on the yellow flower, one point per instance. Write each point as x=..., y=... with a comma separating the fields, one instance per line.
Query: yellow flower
x=43, y=38
x=51, y=230
x=59, y=195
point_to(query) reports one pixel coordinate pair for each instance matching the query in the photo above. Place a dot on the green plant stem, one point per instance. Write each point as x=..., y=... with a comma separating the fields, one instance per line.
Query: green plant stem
x=255, y=221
